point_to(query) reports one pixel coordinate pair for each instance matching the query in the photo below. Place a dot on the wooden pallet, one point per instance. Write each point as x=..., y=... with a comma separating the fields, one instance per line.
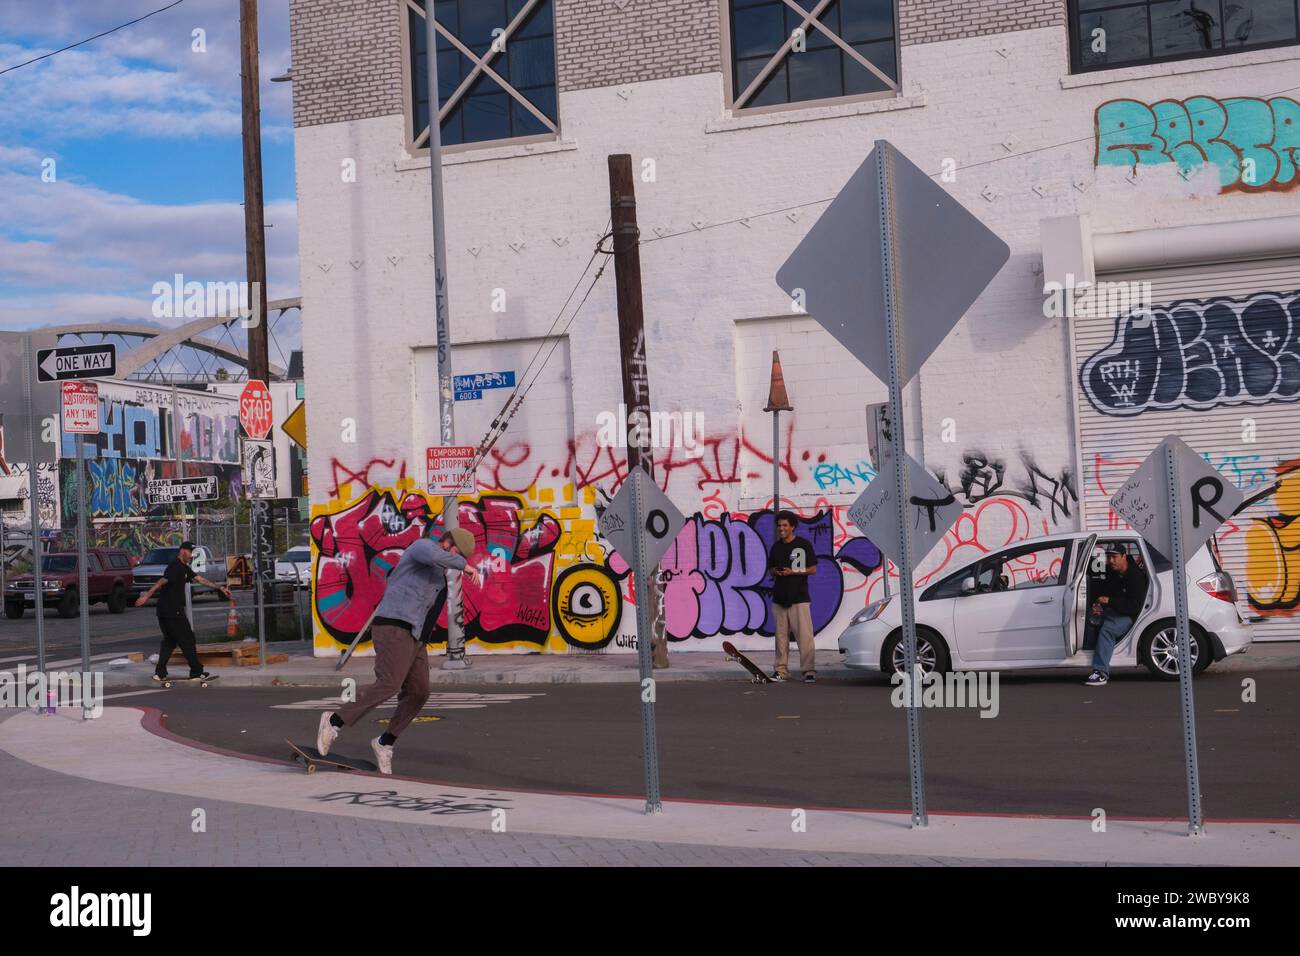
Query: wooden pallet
x=223, y=655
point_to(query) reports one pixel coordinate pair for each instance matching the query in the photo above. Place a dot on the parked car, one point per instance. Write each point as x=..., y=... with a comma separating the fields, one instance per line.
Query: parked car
x=1027, y=606
x=153, y=564
x=108, y=579
x=294, y=565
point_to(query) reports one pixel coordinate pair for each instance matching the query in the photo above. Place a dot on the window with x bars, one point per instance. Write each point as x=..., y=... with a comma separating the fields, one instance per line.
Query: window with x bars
x=496, y=70
x=793, y=51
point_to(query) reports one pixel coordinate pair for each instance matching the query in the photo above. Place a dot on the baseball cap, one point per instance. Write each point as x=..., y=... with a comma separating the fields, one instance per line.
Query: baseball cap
x=187, y=545
x=463, y=540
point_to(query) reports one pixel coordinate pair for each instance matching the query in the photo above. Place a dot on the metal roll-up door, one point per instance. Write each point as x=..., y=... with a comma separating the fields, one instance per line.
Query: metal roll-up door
x=1217, y=362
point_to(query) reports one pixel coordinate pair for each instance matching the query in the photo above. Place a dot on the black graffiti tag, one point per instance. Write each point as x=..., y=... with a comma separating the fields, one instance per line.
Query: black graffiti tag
x=931, y=505
x=442, y=805
x=1201, y=503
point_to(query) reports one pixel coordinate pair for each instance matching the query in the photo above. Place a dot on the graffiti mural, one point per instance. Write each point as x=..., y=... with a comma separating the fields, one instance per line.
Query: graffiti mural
x=1199, y=354
x=1273, y=549
x=551, y=583
x=16, y=486
x=136, y=422
x=118, y=488
x=1254, y=144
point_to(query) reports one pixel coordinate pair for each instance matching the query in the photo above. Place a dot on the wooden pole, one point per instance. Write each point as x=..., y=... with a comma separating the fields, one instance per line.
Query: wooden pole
x=632, y=350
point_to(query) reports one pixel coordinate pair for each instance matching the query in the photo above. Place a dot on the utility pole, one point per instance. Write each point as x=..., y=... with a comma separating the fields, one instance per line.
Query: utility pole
x=632, y=351
x=455, y=659
x=259, y=363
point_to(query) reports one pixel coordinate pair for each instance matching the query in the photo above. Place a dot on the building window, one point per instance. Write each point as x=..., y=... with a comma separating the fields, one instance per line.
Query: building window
x=1109, y=33
x=496, y=70
x=798, y=51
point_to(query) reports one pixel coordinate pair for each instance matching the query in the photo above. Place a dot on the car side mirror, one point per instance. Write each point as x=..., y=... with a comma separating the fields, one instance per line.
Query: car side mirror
x=968, y=586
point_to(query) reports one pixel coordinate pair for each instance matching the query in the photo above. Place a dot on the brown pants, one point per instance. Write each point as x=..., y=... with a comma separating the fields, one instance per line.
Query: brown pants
x=798, y=617
x=402, y=668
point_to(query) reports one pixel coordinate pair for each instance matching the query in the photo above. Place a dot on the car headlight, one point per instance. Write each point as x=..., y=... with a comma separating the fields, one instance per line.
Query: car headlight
x=871, y=611
x=52, y=586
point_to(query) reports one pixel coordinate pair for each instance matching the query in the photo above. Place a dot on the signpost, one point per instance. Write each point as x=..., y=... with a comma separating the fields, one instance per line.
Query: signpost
x=867, y=271
x=256, y=415
x=80, y=361
x=168, y=491
x=640, y=523
x=259, y=468
x=445, y=467
x=1175, y=500
x=80, y=418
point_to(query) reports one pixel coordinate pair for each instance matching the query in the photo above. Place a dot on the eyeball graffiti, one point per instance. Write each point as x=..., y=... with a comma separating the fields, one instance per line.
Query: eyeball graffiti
x=587, y=605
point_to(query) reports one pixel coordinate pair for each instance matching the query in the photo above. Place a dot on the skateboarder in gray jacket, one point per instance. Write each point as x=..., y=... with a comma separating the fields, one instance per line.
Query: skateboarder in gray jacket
x=415, y=587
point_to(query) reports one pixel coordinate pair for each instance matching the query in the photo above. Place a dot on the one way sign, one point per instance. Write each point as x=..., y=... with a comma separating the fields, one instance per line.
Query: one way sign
x=77, y=361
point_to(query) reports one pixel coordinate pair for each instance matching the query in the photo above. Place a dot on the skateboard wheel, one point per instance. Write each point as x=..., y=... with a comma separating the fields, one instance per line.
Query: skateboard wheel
x=167, y=684
x=311, y=768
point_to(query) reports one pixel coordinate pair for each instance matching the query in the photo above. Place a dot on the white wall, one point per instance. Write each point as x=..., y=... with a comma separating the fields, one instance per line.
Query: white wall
x=526, y=221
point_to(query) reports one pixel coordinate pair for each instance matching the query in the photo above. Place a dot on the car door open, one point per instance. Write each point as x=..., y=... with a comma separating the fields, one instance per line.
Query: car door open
x=1073, y=609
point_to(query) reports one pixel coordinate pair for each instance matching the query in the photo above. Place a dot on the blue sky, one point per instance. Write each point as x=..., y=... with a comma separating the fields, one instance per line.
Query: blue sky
x=143, y=128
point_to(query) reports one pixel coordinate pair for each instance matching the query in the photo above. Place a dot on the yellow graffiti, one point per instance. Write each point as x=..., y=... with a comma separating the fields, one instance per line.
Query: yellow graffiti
x=1273, y=551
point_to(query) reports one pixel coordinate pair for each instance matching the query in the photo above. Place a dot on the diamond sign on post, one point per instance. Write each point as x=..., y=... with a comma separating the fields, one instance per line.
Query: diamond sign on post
x=932, y=507
x=944, y=259
x=1207, y=499
x=662, y=520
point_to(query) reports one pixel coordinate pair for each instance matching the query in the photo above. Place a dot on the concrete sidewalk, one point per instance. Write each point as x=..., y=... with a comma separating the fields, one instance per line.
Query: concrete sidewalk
x=304, y=670
x=117, y=750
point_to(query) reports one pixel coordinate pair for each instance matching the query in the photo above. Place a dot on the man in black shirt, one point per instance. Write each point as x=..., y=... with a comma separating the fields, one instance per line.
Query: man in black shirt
x=791, y=560
x=175, y=626
x=1126, y=591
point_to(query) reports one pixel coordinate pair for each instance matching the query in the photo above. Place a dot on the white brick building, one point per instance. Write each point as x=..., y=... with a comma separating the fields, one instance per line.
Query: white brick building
x=1039, y=149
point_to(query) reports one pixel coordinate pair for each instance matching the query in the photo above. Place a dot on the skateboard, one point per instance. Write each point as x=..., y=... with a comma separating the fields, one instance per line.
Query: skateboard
x=755, y=672
x=201, y=681
x=311, y=758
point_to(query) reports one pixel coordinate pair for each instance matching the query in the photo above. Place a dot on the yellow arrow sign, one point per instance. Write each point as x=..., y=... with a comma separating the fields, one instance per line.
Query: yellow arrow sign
x=295, y=426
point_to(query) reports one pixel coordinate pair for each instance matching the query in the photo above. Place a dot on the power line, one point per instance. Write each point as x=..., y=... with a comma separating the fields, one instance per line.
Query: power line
x=73, y=46
x=515, y=400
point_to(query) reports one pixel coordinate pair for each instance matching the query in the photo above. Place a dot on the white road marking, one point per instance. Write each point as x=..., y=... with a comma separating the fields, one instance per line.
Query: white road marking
x=134, y=693
x=440, y=701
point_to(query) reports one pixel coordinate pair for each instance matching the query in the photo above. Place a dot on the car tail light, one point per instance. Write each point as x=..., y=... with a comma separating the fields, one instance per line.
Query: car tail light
x=1219, y=586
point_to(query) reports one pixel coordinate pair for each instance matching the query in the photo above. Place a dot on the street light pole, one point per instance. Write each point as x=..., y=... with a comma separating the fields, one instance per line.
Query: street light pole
x=455, y=659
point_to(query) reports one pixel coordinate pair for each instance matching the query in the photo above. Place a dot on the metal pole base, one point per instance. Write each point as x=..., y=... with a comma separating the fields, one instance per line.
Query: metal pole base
x=460, y=662
x=1194, y=831
x=654, y=807
x=920, y=821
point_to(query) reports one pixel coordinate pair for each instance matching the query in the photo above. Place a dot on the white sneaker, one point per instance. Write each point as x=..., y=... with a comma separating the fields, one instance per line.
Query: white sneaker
x=383, y=756
x=326, y=734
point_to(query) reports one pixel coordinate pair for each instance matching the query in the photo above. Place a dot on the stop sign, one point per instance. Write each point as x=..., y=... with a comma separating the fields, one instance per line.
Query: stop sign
x=255, y=409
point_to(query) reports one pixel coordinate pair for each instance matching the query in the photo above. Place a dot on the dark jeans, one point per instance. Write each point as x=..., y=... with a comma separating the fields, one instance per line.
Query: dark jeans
x=176, y=632
x=1113, y=629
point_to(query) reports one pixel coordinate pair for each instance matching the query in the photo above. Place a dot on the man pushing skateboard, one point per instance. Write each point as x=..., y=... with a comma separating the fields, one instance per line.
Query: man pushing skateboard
x=415, y=591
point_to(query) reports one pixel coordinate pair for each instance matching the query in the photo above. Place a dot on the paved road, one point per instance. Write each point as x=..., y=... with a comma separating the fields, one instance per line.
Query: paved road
x=1055, y=747
x=111, y=635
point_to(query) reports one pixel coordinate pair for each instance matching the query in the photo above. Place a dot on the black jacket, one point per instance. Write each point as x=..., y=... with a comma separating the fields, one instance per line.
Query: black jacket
x=1127, y=591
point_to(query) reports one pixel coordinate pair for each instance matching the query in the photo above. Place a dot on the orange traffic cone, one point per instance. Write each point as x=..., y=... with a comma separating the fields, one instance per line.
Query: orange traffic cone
x=232, y=621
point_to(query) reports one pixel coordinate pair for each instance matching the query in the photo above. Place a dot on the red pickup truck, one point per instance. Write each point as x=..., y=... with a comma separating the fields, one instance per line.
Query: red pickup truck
x=108, y=574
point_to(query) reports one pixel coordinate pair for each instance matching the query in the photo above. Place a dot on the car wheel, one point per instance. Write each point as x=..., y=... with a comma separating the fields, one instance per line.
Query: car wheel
x=13, y=611
x=1158, y=650
x=68, y=604
x=931, y=653
x=117, y=600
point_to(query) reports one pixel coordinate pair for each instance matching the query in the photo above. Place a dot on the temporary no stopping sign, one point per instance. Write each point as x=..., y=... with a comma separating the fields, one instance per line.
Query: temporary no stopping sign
x=445, y=467
x=80, y=408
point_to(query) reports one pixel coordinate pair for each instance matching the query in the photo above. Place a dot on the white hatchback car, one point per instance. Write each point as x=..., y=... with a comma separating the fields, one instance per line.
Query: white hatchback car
x=1027, y=606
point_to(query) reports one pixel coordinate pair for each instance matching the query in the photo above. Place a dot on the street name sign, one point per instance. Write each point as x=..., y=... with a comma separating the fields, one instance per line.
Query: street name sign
x=76, y=361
